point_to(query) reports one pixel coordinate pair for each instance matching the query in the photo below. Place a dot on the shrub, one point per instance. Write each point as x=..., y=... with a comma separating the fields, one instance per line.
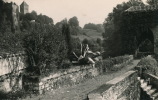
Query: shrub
x=149, y=64
x=108, y=64
x=12, y=95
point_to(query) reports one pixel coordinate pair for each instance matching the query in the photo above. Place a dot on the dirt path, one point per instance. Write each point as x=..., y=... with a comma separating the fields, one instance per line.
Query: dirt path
x=80, y=91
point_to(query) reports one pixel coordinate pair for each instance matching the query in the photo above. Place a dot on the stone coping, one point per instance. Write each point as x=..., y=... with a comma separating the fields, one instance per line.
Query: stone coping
x=65, y=72
x=120, y=78
x=98, y=93
x=3, y=56
x=156, y=77
x=153, y=80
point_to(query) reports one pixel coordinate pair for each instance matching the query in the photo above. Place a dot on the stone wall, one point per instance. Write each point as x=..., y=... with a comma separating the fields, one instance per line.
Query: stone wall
x=59, y=79
x=152, y=79
x=125, y=87
x=68, y=77
x=12, y=67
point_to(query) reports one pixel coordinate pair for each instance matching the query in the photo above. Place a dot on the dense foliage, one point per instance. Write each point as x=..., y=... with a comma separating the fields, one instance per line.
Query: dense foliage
x=97, y=27
x=113, y=28
x=33, y=17
x=73, y=21
x=46, y=45
x=94, y=45
x=75, y=29
x=149, y=65
x=152, y=2
x=113, y=64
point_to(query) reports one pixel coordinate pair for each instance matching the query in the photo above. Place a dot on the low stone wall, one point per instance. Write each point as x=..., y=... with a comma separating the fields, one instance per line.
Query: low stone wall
x=11, y=69
x=12, y=63
x=125, y=87
x=65, y=78
x=59, y=79
x=152, y=79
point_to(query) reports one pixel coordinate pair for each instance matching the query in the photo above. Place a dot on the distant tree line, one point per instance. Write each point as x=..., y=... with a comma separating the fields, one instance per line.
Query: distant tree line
x=97, y=27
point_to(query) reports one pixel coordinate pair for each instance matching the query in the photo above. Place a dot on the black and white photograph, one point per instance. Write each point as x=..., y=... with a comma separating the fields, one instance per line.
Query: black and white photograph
x=78, y=49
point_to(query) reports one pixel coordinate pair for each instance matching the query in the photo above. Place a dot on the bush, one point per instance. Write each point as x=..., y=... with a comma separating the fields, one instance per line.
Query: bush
x=65, y=64
x=108, y=64
x=149, y=65
x=13, y=95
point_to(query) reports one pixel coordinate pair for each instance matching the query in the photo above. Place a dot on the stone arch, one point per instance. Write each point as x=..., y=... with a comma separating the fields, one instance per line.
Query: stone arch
x=145, y=40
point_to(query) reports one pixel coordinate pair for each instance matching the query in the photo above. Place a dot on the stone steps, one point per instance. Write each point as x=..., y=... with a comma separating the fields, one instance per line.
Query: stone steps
x=147, y=88
x=155, y=96
x=152, y=92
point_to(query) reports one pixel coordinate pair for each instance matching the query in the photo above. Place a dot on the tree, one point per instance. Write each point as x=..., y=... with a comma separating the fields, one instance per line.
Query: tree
x=66, y=33
x=73, y=21
x=93, y=45
x=90, y=26
x=99, y=41
x=136, y=2
x=113, y=28
x=97, y=27
x=43, y=19
x=108, y=26
x=29, y=17
x=85, y=41
x=152, y=2
x=46, y=48
x=34, y=14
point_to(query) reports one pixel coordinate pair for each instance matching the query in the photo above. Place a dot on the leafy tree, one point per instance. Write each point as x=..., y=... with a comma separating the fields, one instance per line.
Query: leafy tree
x=43, y=19
x=135, y=2
x=46, y=48
x=97, y=27
x=99, y=41
x=34, y=14
x=152, y=2
x=75, y=29
x=73, y=21
x=29, y=17
x=113, y=26
x=85, y=41
x=108, y=26
x=66, y=33
x=93, y=45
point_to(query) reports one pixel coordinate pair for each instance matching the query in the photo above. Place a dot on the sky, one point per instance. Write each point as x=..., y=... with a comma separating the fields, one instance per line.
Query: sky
x=87, y=11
